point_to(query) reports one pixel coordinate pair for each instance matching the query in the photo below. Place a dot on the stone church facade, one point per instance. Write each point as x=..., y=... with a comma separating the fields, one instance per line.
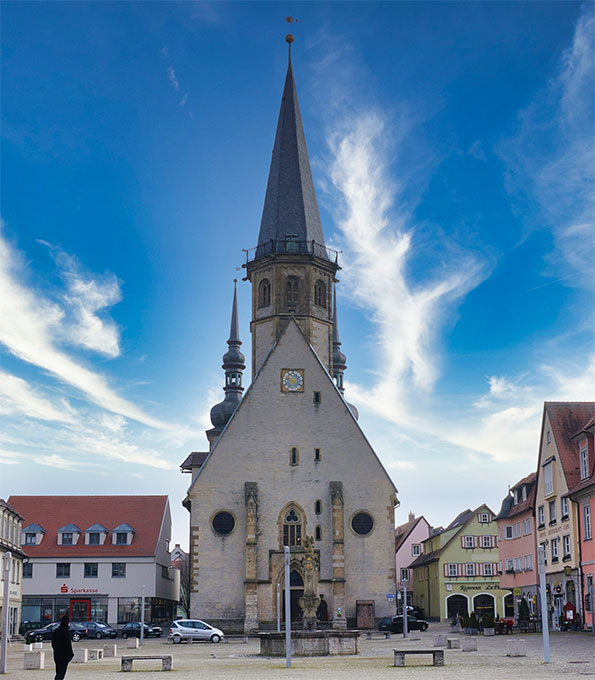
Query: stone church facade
x=287, y=460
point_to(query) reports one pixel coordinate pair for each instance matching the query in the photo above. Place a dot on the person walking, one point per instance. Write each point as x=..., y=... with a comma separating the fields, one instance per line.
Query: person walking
x=62, y=646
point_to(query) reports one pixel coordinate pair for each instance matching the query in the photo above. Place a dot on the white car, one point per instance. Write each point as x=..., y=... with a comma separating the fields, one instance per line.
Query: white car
x=193, y=629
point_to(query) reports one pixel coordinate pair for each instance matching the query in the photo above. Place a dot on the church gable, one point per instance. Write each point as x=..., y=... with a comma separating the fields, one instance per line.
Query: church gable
x=292, y=404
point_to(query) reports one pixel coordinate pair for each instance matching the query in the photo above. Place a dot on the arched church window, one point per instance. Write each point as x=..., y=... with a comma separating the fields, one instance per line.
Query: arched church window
x=362, y=523
x=320, y=294
x=318, y=507
x=264, y=293
x=318, y=534
x=294, y=457
x=292, y=529
x=292, y=291
x=295, y=579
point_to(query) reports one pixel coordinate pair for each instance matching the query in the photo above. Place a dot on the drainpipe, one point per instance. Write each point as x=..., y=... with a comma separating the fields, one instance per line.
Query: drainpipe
x=428, y=576
x=580, y=575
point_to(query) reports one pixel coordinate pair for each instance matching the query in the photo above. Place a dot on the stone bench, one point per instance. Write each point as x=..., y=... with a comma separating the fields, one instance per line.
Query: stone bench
x=167, y=661
x=81, y=655
x=439, y=640
x=110, y=650
x=469, y=644
x=95, y=654
x=516, y=648
x=437, y=655
x=453, y=643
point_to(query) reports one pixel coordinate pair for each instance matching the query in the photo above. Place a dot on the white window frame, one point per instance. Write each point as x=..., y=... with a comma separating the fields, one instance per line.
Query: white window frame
x=470, y=569
x=548, y=479
x=588, y=533
x=548, y=437
x=416, y=549
x=508, y=532
x=555, y=549
x=584, y=460
x=453, y=570
x=566, y=545
x=469, y=542
x=484, y=517
x=541, y=515
x=488, y=569
x=486, y=541
x=516, y=530
x=552, y=511
x=524, y=493
x=404, y=574
x=565, y=506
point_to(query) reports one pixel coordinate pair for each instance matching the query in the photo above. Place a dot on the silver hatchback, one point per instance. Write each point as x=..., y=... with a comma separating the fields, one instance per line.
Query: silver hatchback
x=193, y=629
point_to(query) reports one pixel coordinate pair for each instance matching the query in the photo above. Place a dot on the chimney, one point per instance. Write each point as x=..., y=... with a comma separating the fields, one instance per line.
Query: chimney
x=411, y=516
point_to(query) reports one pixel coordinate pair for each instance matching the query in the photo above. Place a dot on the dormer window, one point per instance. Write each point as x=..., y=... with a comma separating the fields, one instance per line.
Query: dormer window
x=32, y=534
x=95, y=535
x=68, y=535
x=524, y=493
x=122, y=535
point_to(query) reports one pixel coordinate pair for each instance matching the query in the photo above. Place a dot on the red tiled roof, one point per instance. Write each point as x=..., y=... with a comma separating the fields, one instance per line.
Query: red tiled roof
x=403, y=530
x=567, y=418
x=522, y=506
x=143, y=513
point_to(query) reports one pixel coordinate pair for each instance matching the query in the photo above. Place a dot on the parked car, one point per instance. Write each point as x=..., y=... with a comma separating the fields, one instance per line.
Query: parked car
x=77, y=631
x=394, y=624
x=193, y=629
x=414, y=610
x=132, y=629
x=97, y=629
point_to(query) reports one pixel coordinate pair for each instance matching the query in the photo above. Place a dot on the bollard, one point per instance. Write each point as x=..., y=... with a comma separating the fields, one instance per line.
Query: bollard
x=132, y=643
x=34, y=661
x=110, y=650
x=516, y=648
x=469, y=644
x=81, y=655
x=439, y=640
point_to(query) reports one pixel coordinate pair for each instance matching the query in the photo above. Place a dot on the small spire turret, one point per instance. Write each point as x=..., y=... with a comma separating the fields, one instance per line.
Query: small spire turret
x=233, y=365
x=339, y=359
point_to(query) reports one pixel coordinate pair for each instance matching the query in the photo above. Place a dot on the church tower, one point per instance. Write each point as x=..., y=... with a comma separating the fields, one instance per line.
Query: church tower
x=287, y=459
x=291, y=270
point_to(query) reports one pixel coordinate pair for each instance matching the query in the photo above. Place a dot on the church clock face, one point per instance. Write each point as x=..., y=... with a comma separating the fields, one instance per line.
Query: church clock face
x=292, y=380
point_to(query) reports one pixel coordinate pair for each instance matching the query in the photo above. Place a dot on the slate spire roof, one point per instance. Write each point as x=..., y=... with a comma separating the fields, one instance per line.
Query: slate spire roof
x=290, y=206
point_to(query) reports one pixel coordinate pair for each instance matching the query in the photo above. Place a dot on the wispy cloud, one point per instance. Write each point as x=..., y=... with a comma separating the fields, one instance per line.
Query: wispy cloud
x=171, y=75
x=18, y=397
x=30, y=328
x=378, y=240
x=551, y=158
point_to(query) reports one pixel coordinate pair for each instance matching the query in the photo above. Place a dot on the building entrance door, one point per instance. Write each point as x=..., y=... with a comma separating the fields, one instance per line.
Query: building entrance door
x=365, y=613
x=296, y=584
x=79, y=610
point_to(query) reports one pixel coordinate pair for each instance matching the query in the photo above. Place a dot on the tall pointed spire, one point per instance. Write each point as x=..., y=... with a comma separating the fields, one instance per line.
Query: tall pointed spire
x=233, y=365
x=339, y=359
x=290, y=209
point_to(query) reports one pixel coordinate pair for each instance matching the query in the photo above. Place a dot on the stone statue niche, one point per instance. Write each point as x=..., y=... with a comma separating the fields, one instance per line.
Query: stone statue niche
x=310, y=600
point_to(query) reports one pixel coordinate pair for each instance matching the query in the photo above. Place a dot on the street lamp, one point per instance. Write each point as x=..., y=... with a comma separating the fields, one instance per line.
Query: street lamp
x=545, y=631
x=7, y=563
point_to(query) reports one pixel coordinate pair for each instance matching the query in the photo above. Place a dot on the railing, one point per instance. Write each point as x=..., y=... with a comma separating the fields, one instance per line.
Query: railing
x=291, y=246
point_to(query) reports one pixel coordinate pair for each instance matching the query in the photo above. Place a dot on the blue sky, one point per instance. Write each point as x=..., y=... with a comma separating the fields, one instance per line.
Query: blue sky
x=452, y=151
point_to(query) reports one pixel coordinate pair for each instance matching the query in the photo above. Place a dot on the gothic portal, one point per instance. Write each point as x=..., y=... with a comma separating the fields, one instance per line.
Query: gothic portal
x=287, y=460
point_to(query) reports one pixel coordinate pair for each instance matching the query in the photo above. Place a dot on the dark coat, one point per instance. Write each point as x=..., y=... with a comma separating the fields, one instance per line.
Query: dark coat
x=62, y=644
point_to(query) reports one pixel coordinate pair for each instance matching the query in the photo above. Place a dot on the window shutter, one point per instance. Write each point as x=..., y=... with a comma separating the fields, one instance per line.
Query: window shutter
x=446, y=569
x=462, y=541
x=495, y=568
x=476, y=541
x=460, y=569
x=494, y=544
x=479, y=569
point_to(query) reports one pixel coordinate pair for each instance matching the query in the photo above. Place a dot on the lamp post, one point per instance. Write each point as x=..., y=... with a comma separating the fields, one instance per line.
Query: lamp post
x=142, y=617
x=5, y=609
x=287, y=556
x=278, y=607
x=405, y=619
x=545, y=631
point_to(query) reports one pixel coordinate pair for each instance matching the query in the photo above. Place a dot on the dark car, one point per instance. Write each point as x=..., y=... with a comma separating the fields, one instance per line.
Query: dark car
x=132, y=629
x=77, y=631
x=394, y=624
x=97, y=629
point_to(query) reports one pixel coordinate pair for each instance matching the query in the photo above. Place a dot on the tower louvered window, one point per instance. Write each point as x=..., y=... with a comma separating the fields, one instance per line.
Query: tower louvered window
x=264, y=293
x=320, y=294
x=292, y=292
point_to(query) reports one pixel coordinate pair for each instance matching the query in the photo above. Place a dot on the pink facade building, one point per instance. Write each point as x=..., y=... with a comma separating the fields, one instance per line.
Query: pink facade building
x=518, y=565
x=408, y=540
x=583, y=495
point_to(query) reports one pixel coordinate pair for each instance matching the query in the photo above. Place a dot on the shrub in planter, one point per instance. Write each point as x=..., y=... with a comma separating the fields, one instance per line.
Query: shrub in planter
x=466, y=624
x=473, y=623
x=523, y=610
x=487, y=623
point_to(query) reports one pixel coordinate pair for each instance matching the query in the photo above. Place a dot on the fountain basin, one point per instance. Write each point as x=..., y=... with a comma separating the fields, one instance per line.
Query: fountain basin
x=311, y=643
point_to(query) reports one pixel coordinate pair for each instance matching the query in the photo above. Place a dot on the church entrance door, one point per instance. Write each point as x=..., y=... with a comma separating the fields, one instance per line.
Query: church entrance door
x=296, y=585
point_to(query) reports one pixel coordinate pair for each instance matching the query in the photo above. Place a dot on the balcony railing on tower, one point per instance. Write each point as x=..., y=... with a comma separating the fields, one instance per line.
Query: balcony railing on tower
x=291, y=246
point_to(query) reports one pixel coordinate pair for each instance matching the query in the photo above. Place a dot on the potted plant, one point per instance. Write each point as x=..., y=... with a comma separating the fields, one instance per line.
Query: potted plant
x=473, y=624
x=524, y=614
x=487, y=623
x=466, y=625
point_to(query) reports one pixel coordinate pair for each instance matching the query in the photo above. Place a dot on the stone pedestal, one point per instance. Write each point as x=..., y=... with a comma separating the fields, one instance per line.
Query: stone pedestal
x=34, y=661
x=95, y=654
x=132, y=643
x=110, y=650
x=81, y=655
x=469, y=644
x=415, y=635
x=38, y=645
x=516, y=648
x=311, y=643
x=340, y=623
x=439, y=640
x=453, y=643
x=28, y=648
